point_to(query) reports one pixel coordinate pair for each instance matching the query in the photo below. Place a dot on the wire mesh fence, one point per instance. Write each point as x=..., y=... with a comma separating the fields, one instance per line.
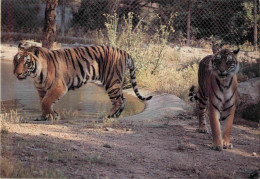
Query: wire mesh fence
x=195, y=21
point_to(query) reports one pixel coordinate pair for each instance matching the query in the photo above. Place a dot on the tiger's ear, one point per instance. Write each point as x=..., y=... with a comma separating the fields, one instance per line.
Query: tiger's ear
x=36, y=52
x=20, y=47
x=236, y=51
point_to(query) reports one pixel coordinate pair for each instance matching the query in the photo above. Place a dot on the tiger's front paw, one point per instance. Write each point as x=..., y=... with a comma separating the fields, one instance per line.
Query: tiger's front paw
x=41, y=118
x=47, y=117
x=203, y=130
x=217, y=147
x=227, y=145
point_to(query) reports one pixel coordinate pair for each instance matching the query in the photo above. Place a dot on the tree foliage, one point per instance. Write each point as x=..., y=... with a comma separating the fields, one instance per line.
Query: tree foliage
x=21, y=16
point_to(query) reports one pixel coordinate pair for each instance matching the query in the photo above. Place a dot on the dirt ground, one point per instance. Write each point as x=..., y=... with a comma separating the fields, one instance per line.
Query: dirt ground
x=79, y=148
x=85, y=148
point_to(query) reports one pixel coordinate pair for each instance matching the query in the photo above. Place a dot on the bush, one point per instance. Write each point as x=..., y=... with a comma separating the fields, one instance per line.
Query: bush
x=157, y=65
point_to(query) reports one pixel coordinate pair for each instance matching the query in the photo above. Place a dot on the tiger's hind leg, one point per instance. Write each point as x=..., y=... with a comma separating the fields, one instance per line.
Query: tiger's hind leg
x=201, y=107
x=119, y=109
x=118, y=100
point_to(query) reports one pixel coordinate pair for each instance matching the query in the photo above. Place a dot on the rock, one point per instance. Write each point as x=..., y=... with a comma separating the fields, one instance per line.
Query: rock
x=249, y=90
x=107, y=146
x=254, y=174
x=109, y=129
x=248, y=101
x=253, y=154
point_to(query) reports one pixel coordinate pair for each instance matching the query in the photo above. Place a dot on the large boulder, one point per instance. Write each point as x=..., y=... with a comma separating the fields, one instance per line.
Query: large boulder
x=249, y=90
x=248, y=103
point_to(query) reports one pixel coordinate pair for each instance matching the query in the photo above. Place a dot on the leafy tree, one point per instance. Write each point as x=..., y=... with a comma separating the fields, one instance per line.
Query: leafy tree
x=90, y=14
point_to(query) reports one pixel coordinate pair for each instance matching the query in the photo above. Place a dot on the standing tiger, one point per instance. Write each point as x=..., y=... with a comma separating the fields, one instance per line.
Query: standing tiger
x=217, y=92
x=57, y=71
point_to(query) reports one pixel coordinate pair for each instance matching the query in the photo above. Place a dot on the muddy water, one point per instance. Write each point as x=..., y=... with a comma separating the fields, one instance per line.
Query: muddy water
x=88, y=100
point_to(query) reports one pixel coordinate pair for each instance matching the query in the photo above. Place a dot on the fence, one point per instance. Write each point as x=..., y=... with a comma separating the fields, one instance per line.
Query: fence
x=195, y=21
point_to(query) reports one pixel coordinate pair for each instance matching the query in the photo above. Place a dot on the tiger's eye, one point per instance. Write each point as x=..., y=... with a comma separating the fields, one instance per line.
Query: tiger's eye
x=229, y=62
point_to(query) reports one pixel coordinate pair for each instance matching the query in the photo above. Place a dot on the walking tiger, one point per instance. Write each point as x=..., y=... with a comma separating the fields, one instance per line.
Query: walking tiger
x=55, y=72
x=217, y=93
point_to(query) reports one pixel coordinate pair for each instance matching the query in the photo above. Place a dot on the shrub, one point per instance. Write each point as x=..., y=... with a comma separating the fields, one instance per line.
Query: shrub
x=157, y=64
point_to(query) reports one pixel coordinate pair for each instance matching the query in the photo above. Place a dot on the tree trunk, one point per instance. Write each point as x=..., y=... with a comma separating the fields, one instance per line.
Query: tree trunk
x=62, y=18
x=188, y=23
x=49, y=30
x=255, y=25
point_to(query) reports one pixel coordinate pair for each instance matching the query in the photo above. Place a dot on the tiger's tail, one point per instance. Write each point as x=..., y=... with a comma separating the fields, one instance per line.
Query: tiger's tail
x=133, y=80
x=192, y=94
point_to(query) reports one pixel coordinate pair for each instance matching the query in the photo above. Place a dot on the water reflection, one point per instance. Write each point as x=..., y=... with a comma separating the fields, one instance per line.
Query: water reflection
x=89, y=99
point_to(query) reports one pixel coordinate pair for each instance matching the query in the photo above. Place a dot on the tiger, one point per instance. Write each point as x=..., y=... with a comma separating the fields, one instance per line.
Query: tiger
x=55, y=72
x=217, y=93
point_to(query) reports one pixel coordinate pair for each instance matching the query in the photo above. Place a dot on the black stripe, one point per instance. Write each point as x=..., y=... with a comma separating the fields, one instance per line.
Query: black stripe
x=66, y=57
x=101, y=59
x=97, y=60
x=53, y=61
x=202, y=95
x=231, y=96
x=71, y=58
x=201, y=108
x=81, y=69
x=205, y=96
x=215, y=107
x=229, y=83
x=218, y=83
x=41, y=77
x=76, y=51
x=88, y=52
x=107, y=75
x=115, y=82
x=50, y=86
x=228, y=107
x=86, y=60
x=71, y=85
x=201, y=101
x=109, y=79
x=34, y=70
x=55, y=57
x=215, y=94
x=94, y=72
x=79, y=82
x=224, y=118
x=134, y=84
x=114, y=91
x=115, y=97
x=46, y=80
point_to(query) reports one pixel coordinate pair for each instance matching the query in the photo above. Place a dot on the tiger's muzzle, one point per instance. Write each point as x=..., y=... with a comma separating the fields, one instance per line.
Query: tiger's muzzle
x=21, y=76
x=222, y=75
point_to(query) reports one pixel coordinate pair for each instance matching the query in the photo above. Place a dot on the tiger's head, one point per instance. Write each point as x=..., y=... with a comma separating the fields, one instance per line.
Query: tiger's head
x=224, y=63
x=26, y=62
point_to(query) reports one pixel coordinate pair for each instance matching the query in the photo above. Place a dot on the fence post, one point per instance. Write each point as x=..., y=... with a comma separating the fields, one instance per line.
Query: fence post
x=255, y=25
x=188, y=23
x=49, y=30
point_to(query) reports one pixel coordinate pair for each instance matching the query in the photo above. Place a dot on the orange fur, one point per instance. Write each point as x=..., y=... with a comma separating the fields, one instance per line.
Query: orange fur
x=58, y=71
x=217, y=93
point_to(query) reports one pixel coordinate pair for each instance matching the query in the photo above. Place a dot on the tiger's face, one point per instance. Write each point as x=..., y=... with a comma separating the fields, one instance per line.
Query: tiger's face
x=224, y=63
x=24, y=65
